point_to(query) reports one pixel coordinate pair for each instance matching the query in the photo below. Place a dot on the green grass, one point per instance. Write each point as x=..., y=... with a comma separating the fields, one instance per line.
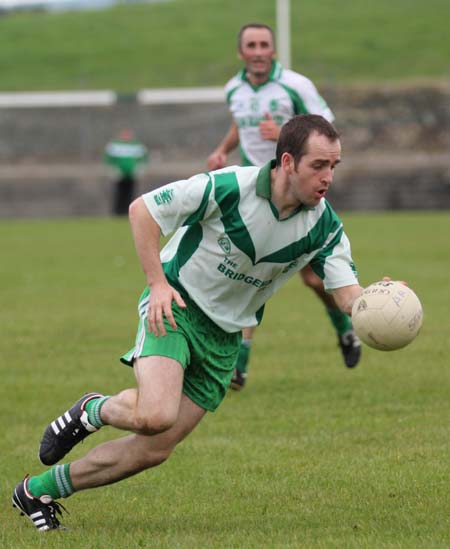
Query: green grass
x=193, y=43
x=308, y=455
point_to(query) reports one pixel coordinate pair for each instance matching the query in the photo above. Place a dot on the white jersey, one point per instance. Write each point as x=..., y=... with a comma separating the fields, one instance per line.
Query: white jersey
x=284, y=95
x=231, y=252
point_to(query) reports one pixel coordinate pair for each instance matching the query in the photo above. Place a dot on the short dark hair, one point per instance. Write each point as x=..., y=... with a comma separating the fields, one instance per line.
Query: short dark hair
x=254, y=26
x=295, y=133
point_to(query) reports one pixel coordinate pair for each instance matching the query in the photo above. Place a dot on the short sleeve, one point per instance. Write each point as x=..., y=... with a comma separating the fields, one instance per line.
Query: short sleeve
x=180, y=203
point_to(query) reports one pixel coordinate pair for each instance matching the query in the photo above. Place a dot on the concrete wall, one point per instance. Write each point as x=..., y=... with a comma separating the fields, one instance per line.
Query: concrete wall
x=396, y=142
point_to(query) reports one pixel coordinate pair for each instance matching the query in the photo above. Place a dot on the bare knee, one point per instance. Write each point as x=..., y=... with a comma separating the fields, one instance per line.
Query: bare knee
x=154, y=423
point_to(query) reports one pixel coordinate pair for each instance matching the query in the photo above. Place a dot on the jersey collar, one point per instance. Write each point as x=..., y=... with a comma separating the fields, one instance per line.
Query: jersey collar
x=264, y=189
x=275, y=74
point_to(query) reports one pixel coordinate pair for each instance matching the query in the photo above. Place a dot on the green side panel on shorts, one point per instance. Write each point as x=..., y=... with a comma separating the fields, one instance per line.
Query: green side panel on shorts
x=227, y=196
x=173, y=346
x=127, y=358
x=328, y=223
x=206, y=352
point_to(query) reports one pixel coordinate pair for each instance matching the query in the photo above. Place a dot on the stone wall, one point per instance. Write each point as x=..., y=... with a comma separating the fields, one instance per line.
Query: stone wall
x=396, y=143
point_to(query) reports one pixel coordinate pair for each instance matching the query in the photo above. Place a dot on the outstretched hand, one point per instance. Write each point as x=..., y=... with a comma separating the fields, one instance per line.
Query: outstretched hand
x=389, y=279
x=160, y=306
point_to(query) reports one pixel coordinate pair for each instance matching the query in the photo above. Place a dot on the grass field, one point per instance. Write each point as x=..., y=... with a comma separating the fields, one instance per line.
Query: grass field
x=193, y=43
x=309, y=455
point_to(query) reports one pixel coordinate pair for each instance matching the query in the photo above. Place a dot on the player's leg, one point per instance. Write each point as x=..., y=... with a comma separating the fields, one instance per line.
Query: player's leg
x=153, y=407
x=121, y=458
x=177, y=383
x=123, y=194
x=146, y=410
x=157, y=410
x=240, y=368
x=348, y=341
x=167, y=357
x=107, y=463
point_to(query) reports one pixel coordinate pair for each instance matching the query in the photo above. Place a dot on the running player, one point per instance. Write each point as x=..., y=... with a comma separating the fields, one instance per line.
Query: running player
x=243, y=232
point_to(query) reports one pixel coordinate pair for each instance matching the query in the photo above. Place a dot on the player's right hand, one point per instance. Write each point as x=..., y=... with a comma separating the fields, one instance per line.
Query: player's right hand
x=216, y=160
x=160, y=306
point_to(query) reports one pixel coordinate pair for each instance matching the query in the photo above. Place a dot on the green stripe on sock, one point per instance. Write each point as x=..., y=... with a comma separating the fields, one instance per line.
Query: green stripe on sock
x=56, y=483
x=93, y=408
x=62, y=479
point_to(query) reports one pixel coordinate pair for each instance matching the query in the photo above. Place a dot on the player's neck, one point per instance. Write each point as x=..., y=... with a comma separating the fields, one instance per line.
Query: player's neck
x=257, y=80
x=281, y=197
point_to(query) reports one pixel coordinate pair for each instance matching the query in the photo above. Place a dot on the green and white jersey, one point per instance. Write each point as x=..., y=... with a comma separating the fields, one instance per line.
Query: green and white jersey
x=284, y=95
x=231, y=252
x=125, y=155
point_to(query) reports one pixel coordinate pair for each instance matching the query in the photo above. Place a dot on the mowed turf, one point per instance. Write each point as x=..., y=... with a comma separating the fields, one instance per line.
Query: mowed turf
x=310, y=454
x=185, y=43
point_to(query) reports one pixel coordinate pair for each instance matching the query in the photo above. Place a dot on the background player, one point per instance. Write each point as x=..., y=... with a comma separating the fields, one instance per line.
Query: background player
x=126, y=154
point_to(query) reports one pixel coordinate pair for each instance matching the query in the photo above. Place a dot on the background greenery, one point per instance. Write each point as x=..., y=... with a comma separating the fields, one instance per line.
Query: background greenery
x=310, y=454
x=193, y=43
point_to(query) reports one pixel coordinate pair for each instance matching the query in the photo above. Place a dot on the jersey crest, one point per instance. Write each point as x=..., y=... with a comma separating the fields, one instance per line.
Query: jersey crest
x=225, y=244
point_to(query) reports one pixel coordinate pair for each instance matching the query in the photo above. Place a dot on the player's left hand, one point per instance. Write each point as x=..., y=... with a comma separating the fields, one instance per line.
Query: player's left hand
x=269, y=129
x=389, y=279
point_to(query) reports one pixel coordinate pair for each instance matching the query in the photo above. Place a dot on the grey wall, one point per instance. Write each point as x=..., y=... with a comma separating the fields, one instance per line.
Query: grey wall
x=396, y=143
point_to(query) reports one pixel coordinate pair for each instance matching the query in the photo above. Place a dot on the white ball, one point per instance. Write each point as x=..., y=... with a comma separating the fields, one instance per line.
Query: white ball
x=387, y=315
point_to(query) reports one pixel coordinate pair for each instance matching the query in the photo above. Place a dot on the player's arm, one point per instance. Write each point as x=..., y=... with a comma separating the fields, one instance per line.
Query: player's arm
x=306, y=98
x=218, y=158
x=314, y=102
x=146, y=235
x=345, y=297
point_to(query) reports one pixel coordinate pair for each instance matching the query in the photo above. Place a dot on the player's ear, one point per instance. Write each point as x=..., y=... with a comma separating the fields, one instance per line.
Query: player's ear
x=287, y=162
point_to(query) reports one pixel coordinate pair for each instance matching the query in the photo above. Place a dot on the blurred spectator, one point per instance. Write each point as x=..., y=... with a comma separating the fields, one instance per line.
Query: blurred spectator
x=126, y=154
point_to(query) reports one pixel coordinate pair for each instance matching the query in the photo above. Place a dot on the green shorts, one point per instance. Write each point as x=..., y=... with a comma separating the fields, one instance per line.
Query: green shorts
x=206, y=352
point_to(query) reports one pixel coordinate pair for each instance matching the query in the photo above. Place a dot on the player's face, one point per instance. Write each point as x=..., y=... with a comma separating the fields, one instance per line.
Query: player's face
x=257, y=51
x=312, y=178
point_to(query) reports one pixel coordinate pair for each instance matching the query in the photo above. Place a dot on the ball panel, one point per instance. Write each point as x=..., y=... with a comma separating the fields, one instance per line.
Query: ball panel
x=387, y=316
x=366, y=324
